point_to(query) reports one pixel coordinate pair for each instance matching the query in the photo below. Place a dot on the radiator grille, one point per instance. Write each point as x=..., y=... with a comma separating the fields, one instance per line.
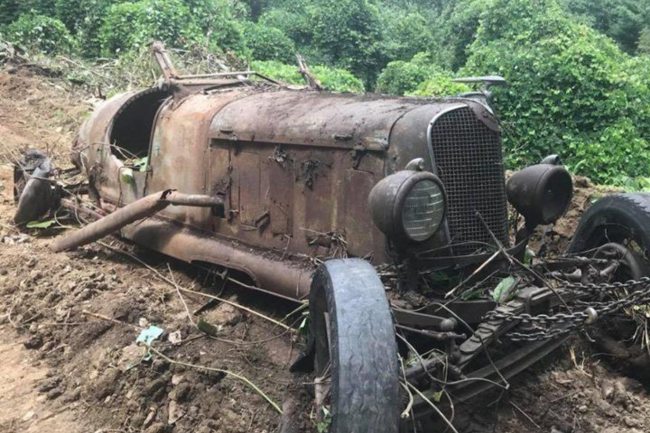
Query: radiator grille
x=469, y=161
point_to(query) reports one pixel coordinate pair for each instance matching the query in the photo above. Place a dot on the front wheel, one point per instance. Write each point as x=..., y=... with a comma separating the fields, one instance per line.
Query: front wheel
x=356, y=360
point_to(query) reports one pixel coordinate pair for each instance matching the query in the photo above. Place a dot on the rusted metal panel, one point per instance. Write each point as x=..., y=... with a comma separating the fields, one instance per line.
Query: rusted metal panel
x=280, y=195
x=309, y=118
x=269, y=271
x=180, y=151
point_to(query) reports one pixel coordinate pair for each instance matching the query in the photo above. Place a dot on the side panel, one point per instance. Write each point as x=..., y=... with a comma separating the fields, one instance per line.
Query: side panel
x=296, y=199
x=179, y=156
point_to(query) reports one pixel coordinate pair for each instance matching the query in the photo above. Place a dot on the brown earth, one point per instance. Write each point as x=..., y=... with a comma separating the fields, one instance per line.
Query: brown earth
x=69, y=362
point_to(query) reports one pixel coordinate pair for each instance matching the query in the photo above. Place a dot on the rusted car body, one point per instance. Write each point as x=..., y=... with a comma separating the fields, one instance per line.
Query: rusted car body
x=294, y=169
x=226, y=170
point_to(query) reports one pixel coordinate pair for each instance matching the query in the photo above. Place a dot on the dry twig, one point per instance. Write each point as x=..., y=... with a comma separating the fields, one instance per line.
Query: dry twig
x=220, y=370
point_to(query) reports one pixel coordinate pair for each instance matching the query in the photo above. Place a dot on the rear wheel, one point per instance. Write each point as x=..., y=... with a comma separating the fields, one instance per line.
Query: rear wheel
x=619, y=218
x=616, y=229
x=356, y=363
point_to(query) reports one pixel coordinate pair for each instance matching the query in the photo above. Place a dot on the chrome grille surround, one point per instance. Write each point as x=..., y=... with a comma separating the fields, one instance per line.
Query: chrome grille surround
x=469, y=161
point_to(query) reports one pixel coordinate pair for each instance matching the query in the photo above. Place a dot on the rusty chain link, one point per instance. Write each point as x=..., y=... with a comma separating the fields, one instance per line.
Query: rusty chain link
x=544, y=326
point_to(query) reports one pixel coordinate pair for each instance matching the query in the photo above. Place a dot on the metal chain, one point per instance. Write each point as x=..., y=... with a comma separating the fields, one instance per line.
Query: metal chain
x=546, y=326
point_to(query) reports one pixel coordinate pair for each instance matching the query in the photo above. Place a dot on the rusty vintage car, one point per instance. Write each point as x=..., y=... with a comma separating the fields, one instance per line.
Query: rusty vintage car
x=389, y=215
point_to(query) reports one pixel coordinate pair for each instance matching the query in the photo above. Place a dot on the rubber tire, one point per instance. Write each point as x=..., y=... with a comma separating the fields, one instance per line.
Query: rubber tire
x=613, y=218
x=364, y=365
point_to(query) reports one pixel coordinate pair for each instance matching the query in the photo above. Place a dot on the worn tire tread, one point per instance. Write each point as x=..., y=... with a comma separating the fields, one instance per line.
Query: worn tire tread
x=365, y=369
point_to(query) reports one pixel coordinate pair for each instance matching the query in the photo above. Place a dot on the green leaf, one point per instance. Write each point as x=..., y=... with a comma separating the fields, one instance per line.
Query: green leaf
x=503, y=291
x=127, y=176
x=40, y=224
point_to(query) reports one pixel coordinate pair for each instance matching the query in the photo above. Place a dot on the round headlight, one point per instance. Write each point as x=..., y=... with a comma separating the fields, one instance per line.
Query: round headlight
x=408, y=205
x=423, y=209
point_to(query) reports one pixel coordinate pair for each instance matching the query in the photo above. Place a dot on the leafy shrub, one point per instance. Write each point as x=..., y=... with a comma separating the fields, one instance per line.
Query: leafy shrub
x=418, y=77
x=347, y=32
x=616, y=153
x=337, y=80
x=268, y=43
x=133, y=25
x=644, y=41
x=40, y=32
x=400, y=77
x=622, y=20
x=10, y=10
x=438, y=85
x=278, y=71
x=293, y=23
x=84, y=19
x=404, y=34
x=333, y=79
x=218, y=21
x=454, y=30
x=572, y=91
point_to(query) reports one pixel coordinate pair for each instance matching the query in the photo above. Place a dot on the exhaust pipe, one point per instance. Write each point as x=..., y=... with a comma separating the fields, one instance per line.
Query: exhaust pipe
x=139, y=209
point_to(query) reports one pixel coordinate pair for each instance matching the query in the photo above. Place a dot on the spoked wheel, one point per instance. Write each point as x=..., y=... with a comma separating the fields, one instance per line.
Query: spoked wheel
x=356, y=360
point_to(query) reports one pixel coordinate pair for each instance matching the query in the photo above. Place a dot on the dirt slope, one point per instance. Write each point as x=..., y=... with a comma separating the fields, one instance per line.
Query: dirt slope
x=69, y=322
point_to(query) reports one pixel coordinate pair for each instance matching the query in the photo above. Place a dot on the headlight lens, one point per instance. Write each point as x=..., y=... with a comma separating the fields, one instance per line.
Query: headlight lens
x=423, y=210
x=408, y=206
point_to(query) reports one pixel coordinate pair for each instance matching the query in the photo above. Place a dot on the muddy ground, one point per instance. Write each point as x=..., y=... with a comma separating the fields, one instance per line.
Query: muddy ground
x=68, y=326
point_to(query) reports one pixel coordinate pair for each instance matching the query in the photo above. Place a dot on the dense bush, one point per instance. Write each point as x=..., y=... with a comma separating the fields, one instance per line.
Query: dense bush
x=337, y=80
x=40, y=32
x=622, y=20
x=402, y=77
x=405, y=33
x=84, y=18
x=418, y=77
x=294, y=23
x=10, y=10
x=268, y=43
x=219, y=22
x=347, y=33
x=132, y=25
x=570, y=90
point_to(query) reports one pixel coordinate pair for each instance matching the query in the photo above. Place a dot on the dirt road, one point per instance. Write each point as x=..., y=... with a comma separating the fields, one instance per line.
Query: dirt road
x=69, y=322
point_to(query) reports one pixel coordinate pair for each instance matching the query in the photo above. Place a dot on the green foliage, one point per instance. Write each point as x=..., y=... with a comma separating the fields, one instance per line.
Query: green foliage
x=40, y=32
x=219, y=22
x=455, y=29
x=346, y=32
x=133, y=25
x=438, y=85
x=418, y=77
x=84, y=18
x=278, y=71
x=337, y=80
x=10, y=10
x=644, y=41
x=292, y=23
x=622, y=20
x=268, y=43
x=400, y=77
x=405, y=33
x=333, y=79
x=571, y=90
